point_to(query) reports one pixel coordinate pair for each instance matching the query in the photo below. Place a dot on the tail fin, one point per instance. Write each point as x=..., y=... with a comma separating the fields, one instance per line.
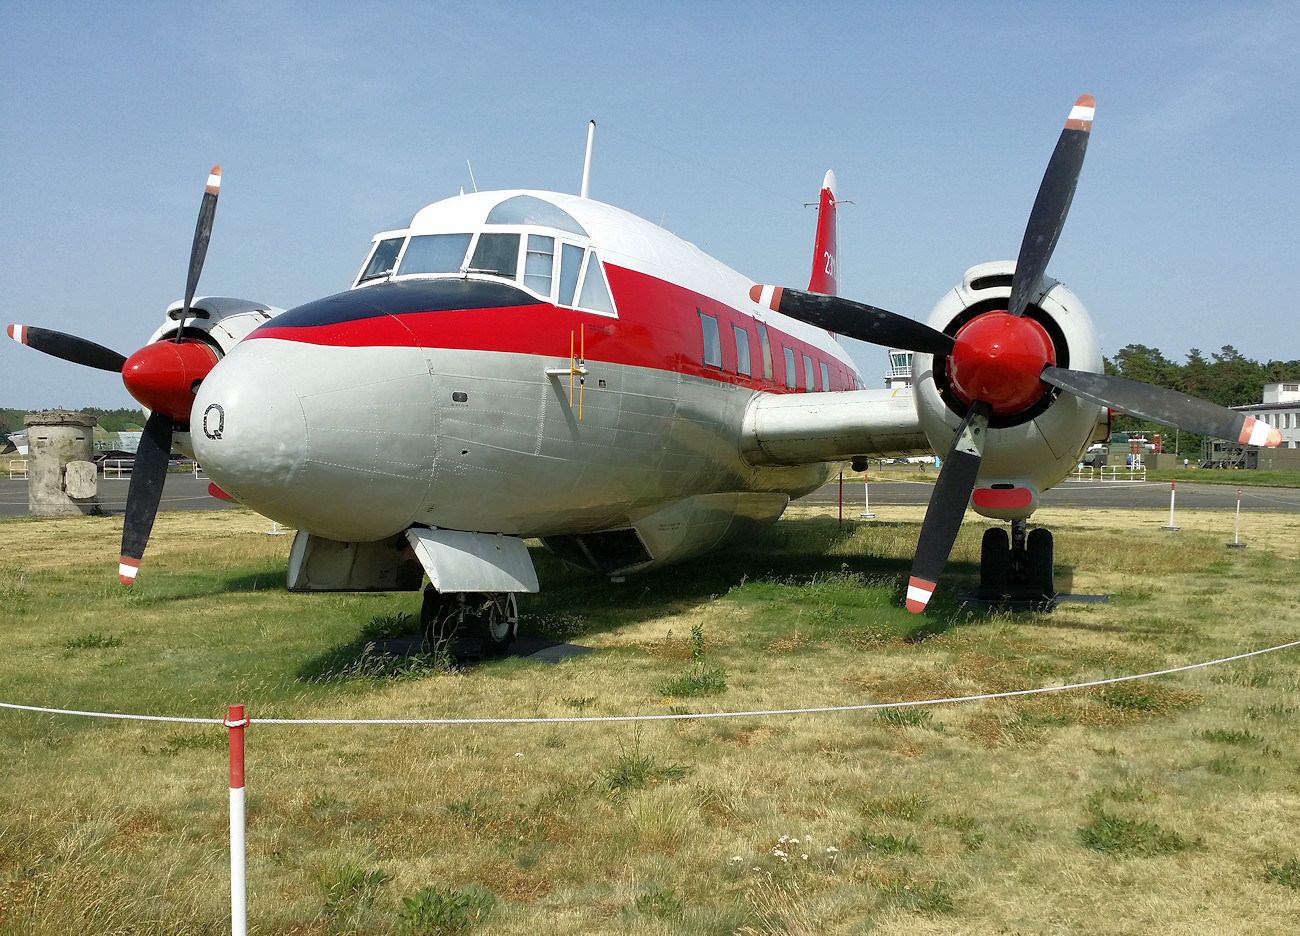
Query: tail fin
x=825, y=265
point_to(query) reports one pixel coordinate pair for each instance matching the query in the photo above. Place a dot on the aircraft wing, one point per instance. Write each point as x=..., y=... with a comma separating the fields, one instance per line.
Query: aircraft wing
x=799, y=428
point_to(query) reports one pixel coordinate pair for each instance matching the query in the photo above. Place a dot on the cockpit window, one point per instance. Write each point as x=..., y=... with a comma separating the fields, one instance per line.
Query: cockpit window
x=434, y=253
x=496, y=253
x=538, y=263
x=382, y=260
x=529, y=209
x=570, y=267
x=595, y=294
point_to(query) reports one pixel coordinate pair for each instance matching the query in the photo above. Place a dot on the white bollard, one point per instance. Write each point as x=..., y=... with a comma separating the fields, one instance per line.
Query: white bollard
x=1171, y=528
x=866, y=499
x=236, y=721
x=1236, y=526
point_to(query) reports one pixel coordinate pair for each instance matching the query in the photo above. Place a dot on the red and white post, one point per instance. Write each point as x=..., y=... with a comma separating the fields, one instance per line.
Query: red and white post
x=866, y=498
x=236, y=722
x=1171, y=528
x=1236, y=526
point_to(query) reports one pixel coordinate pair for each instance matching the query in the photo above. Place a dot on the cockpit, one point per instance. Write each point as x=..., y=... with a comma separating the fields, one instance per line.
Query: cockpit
x=524, y=240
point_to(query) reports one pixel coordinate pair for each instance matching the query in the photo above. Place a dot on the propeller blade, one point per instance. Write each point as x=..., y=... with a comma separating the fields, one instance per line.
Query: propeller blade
x=1055, y=193
x=199, y=250
x=952, y=491
x=855, y=319
x=145, y=493
x=1167, y=407
x=68, y=347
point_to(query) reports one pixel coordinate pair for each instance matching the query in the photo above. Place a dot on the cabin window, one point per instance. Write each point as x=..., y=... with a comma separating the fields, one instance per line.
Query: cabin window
x=594, y=294
x=497, y=254
x=789, y=367
x=807, y=373
x=382, y=260
x=765, y=349
x=742, y=351
x=434, y=253
x=570, y=267
x=712, y=340
x=538, y=263
x=826, y=376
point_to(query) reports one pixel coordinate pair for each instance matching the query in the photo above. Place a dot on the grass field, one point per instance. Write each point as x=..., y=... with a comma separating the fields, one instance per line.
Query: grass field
x=1158, y=806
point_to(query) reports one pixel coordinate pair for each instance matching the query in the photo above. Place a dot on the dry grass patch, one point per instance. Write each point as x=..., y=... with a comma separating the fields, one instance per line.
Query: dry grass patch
x=954, y=818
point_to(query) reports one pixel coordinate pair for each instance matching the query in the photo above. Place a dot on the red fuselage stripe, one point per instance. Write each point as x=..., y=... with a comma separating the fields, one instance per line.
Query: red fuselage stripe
x=658, y=327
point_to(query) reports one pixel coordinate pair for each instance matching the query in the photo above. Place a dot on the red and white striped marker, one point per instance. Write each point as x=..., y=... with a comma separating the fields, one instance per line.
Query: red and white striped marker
x=236, y=722
x=1171, y=528
x=1236, y=526
x=214, y=181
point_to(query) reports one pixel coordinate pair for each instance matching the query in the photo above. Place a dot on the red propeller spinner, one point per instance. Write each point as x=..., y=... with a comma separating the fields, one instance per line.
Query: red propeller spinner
x=165, y=375
x=998, y=357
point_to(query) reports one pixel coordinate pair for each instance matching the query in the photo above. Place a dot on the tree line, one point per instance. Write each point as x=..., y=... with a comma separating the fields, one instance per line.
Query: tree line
x=110, y=420
x=1227, y=378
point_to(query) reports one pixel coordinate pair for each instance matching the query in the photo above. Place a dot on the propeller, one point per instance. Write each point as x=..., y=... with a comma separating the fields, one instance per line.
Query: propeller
x=1003, y=362
x=952, y=491
x=1167, y=407
x=199, y=249
x=163, y=376
x=68, y=347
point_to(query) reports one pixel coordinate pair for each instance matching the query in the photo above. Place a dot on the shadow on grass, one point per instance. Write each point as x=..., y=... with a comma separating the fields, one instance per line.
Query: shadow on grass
x=795, y=552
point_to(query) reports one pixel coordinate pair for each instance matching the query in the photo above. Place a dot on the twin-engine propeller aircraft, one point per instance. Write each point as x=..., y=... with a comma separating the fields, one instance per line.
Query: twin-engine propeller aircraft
x=534, y=364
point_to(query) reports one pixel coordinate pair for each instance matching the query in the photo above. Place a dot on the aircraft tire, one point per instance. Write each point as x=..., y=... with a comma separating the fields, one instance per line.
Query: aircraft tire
x=490, y=619
x=1039, y=568
x=995, y=561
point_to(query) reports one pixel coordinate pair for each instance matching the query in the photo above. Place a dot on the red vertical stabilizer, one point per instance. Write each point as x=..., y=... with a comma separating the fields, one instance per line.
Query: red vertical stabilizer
x=825, y=274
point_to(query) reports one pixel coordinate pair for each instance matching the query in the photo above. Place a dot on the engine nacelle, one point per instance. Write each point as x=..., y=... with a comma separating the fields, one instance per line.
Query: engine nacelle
x=1037, y=446
x=221, y=322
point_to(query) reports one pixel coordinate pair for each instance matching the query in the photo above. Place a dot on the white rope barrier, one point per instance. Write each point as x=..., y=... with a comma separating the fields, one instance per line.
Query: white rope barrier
x=673, y=716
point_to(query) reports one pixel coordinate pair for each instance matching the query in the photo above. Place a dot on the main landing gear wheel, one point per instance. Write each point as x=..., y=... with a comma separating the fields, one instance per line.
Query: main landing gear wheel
x=470, y=623
x=1018, y=568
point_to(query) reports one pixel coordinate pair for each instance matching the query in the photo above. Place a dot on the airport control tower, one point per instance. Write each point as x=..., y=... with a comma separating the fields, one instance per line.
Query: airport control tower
x=899, y=374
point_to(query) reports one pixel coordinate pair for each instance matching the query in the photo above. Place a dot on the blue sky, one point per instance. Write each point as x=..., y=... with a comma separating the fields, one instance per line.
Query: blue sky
x=335, y=120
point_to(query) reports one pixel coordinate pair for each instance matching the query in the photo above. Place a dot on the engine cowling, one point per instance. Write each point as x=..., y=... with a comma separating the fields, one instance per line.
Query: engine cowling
x=220, y=322
x=1037, y=433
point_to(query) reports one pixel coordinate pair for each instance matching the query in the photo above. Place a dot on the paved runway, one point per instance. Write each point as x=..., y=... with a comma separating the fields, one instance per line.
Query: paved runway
x=185, y=492
x=1117, y=495
x=180, y=492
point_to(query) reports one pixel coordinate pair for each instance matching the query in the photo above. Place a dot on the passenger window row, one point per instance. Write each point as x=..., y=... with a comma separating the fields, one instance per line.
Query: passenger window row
x=712, y=356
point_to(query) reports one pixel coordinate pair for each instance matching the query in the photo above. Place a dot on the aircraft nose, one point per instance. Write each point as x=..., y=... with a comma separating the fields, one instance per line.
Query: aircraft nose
x=248, y=429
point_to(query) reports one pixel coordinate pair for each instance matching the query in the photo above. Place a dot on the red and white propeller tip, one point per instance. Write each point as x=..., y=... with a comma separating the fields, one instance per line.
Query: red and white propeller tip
x=214, y=181
x=1082, y=113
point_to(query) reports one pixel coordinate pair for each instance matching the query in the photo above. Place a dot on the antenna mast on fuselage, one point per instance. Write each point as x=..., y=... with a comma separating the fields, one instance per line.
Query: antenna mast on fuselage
x=586, y=163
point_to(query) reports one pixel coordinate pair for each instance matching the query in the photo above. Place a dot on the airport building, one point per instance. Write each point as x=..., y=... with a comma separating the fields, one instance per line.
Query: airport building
x=1280, y=409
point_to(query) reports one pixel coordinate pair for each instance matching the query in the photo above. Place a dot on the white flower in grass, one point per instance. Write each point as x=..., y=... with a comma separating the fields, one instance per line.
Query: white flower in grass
x=756, y=869
x=784, y=838
x=735, y=857
x=831, y=850
x=778, y=853
x=804, y=857
x=794, y=841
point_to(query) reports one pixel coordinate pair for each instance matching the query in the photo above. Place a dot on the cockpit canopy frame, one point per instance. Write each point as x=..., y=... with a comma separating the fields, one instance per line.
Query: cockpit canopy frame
x=523, y=239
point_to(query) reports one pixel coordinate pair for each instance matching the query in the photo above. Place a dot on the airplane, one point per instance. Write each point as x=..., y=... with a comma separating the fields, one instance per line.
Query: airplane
x=525, y=364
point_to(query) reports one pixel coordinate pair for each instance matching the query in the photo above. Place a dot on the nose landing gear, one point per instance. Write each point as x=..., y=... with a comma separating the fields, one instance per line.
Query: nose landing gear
x=481, y=624
x=1018, y=570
